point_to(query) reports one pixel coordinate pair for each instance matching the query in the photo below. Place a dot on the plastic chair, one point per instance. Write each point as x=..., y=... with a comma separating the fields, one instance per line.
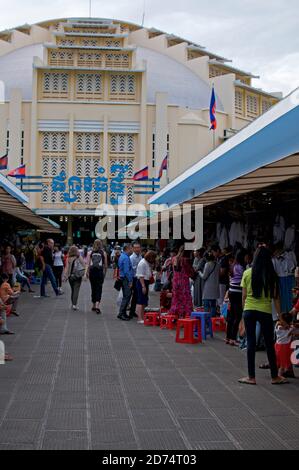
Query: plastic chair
x=219, y=324
x=151, y=319
x=206, y=323
x=168, y=322
x=191, y=331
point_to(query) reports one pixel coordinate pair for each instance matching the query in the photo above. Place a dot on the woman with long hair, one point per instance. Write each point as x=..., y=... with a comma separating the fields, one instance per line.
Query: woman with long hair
x=73, y=272
x=96, y=272
x=181, y=303
x=260, y=287
x=234, y=315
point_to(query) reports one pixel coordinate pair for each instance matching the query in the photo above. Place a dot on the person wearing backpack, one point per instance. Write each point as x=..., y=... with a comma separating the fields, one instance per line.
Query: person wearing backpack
x=74, y=273
x=97, y=268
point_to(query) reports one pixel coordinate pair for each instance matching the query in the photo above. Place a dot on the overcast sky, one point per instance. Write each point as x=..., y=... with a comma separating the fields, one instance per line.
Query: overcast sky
x=261, y=36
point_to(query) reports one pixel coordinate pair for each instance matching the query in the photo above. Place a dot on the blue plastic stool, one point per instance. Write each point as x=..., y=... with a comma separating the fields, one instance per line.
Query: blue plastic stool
x=206, y=323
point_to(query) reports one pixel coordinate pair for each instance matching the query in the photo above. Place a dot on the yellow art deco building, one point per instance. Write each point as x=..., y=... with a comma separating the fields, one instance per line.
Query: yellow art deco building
x=85, y=93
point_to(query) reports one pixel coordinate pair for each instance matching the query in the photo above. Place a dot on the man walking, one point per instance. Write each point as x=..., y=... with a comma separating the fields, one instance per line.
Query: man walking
x=47, y=256
x=126, y=275
x=135, y=260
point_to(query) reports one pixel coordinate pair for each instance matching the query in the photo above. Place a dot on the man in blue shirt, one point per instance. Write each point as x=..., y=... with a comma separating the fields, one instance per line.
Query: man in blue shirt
x=135, y=260
x=126, y=275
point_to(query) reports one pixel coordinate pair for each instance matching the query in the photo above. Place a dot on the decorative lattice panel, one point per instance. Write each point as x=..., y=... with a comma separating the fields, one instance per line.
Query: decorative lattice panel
x=66, y=42
x=112, y=43
x=90, y=59
x=217, y=72
x=88, y=142
x=252, y=105
x=123, y=162
x=239, y=102
x=90, y=42
x=122, y=86
x=122, y=143
x=51, y=197
x=87, y=167
x=55, y=83
x=54, y=141
x=52, y=166
x=61, y=58
x=117, y=60
x=89, y=85
x=266, y=104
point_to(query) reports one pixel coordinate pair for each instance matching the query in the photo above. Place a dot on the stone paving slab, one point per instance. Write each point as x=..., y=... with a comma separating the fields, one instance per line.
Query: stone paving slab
x=83, y=381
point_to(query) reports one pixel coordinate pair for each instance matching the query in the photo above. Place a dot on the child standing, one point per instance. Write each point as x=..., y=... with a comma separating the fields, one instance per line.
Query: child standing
x=284, y=331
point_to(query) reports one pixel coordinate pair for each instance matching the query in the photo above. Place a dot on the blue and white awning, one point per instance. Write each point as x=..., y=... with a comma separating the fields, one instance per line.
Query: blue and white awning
x=264, y=153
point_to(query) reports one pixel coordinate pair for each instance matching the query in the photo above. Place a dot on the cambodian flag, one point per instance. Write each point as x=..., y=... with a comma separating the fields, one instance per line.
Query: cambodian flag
x=164, y=166
x=19, y=172
x=141, y=175
x=3, y=162
x=213, y=111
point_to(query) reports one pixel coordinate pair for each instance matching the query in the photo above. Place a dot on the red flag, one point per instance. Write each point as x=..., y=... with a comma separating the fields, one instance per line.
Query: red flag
x=213, y=111
x=164, y=166
x=141, y=175
x=19, y=172
x=4, y=162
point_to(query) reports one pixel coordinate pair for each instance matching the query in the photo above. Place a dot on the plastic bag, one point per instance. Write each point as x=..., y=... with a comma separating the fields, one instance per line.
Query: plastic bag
x=119, y=298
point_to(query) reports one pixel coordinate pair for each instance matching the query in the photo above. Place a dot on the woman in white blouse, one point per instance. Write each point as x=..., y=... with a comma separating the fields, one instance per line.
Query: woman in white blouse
x=144, y=275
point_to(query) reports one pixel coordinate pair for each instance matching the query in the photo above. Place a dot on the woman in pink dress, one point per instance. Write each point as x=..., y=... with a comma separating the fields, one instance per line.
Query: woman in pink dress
x=181, y=303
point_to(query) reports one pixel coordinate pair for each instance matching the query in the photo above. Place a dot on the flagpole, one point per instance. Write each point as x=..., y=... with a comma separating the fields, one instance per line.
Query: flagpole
x=167, y=171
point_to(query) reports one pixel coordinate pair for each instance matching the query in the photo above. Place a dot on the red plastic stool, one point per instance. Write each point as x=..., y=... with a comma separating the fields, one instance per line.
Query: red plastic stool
x=152, y=319
x=168, y=322
x=219, y=324
x=192, y=331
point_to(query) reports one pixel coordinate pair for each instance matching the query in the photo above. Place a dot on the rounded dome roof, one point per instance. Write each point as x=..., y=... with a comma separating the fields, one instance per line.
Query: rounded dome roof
x=164, y=74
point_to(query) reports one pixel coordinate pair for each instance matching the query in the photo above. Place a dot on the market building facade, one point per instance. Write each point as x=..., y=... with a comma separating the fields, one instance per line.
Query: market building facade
x=90, y=102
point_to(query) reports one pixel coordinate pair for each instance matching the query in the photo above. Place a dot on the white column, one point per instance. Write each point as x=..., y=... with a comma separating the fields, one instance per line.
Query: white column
x=15, y=128
x=34, y=168
x=143, y=123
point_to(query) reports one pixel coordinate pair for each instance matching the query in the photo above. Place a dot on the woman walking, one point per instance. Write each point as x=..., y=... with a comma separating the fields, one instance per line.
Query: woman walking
x=260, y=287
x=96, y=273
x=144, y=274
x=181, y=303
x=58, y=266
x=234, y=315
x=198, y=266
x=74, y=272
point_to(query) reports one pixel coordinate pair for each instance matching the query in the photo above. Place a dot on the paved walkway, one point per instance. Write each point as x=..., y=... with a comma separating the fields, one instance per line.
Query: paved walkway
x=81, y=381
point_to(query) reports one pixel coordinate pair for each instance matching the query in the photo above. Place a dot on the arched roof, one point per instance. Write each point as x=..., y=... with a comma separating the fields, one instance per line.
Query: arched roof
x=165, y=74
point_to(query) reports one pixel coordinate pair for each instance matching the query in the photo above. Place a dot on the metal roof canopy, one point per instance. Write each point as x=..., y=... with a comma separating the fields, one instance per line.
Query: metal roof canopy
x=13, y=207
x=262, y=154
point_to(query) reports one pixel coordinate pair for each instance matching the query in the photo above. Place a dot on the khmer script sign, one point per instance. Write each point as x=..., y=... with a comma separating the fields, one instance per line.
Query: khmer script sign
x=70, y=187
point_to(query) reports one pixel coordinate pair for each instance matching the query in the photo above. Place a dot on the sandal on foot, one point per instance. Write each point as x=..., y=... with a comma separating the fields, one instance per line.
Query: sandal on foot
x=247, y=381
x=281, y=381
